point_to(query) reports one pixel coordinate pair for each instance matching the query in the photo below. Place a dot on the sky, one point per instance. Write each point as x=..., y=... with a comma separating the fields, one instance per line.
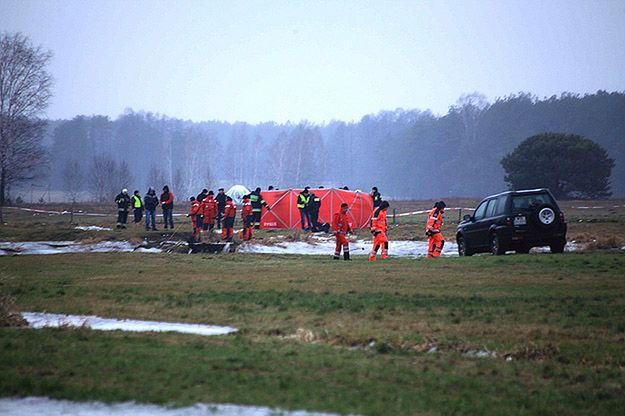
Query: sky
x=257, y=61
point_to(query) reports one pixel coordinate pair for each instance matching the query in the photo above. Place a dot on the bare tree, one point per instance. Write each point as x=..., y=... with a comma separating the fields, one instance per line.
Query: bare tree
x=102, y=178
x=179, y=183
x=24, y=95
x=73, y=179
x=122, y=178
x=156, y=177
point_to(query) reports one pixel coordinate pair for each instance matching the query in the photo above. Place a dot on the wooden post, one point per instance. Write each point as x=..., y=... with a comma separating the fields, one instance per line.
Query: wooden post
x=459, y=215
x=393, y=215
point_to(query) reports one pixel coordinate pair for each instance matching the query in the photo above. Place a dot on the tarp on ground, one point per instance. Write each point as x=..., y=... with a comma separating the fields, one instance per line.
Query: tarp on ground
x=284, y=212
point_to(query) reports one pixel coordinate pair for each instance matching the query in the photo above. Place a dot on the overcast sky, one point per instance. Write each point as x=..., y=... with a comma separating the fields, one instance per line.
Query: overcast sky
x=316, y=60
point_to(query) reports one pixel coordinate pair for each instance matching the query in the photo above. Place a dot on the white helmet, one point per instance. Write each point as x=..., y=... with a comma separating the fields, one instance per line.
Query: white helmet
x=124, y=191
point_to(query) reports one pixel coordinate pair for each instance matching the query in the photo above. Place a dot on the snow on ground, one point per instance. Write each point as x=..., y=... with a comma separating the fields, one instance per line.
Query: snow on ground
x=60, y=247
x=44, y=320
x=92, y=228
x=50, y=407
x=320, y=245
x=325, y=246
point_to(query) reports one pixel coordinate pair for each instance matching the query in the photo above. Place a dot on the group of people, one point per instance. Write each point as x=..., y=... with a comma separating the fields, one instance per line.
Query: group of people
x=309, y=205
x=379, y=226
x=149, y=203
x=208, y=210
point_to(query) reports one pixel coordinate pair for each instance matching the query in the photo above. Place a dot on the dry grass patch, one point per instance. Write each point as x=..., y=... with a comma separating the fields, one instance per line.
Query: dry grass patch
x=9, y=315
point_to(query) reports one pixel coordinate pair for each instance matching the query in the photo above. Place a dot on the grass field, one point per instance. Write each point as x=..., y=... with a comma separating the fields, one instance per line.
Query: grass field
x=390, y=338
x=321, y=335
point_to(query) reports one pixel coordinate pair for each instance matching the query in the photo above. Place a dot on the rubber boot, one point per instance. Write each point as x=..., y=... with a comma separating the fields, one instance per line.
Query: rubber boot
x=346, y=255
x=372, y=256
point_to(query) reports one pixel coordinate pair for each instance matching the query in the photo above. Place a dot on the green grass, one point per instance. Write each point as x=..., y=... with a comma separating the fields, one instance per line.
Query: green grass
x=562, y=318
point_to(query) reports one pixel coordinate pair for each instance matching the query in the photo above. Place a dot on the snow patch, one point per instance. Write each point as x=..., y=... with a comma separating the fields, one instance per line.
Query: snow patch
x=92, y=228
x=53, y=320
x=62, y=247
x=50, y=407
x=570, y=246
x=326, y=246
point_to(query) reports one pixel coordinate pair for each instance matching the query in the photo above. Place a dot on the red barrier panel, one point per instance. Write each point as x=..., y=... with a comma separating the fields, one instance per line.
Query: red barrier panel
x=284, y=212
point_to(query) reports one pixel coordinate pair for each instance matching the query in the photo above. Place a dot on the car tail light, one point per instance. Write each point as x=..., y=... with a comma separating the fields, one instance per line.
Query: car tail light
x=561, y=217
x=508, y=221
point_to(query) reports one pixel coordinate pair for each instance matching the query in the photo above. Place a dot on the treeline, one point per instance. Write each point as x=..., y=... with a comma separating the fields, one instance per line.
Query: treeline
x=407, y=154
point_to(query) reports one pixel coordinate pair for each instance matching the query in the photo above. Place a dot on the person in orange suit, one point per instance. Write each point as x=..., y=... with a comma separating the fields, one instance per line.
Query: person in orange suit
x=194, y=212
x=230, y=212
x=379, y=226
x=209, y=210
x=247, y=216
x=340, y=226
x=433, y=230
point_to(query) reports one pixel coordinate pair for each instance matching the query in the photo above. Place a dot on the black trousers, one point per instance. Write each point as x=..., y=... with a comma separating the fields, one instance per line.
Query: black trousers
x=122, y=216
x=138, y=215
x=314, y=218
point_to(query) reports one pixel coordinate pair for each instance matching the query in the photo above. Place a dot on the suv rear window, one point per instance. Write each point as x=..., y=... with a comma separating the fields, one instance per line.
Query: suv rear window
x=524, y=203
x=501, y=205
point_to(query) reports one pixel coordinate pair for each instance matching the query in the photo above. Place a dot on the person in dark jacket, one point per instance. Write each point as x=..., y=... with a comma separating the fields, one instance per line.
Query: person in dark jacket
x=150, y=201
x=221, y=205
x=314, y=204
x=377, y=198
x=137, y=207
x=200, y=197
x=167, y=203
x=123, y=202
x=256, y=198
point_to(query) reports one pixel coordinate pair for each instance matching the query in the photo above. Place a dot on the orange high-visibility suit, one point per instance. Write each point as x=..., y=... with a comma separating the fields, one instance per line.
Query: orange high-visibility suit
x=433, y=231
x=379, y=225
x=209, y=210
x=247, y=216
x=194, y=211
x=340, y=225
x=230, y=212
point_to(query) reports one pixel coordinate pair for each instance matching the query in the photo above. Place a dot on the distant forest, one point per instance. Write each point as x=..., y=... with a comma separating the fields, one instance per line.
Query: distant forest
x=407, y=154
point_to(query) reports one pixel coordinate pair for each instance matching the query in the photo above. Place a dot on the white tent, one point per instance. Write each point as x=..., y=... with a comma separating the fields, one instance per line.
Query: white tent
x=237, y=192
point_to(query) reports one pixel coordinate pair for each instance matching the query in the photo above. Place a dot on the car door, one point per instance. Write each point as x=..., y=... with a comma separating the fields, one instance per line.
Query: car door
x=489, y=220
x=473, y=232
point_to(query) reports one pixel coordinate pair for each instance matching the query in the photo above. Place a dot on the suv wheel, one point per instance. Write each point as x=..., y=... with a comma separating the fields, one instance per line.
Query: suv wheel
x=495, y=245
x=557, y=246
x=462, y=247
x=545, y=216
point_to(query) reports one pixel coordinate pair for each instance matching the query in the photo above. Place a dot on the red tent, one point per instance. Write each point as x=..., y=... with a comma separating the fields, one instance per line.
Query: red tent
x=284, y=212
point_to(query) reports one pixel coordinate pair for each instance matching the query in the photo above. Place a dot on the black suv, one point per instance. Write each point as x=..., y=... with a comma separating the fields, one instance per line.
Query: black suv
x=514, y=220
